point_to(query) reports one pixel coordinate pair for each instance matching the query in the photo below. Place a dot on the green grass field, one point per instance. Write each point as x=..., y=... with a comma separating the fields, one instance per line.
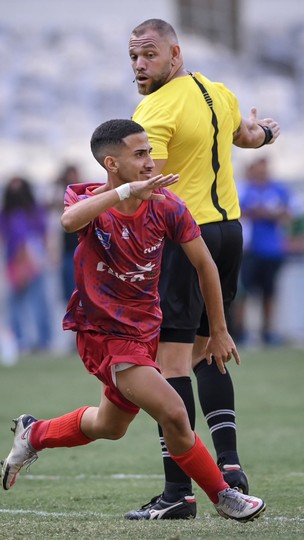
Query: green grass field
x=82, y=493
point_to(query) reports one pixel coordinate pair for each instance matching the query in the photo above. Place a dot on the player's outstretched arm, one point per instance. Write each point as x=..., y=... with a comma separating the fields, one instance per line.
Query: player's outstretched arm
x=78, y=215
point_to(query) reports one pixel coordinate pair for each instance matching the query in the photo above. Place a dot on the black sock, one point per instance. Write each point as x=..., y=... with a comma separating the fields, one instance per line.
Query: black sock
x=216, y=395
x=178, y=484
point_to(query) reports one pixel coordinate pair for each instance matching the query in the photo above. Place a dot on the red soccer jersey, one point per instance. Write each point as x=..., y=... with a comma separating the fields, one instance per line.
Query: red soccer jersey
x=117, y=265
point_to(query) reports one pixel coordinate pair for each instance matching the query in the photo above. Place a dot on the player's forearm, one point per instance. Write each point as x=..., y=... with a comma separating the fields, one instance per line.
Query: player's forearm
x=78, y=215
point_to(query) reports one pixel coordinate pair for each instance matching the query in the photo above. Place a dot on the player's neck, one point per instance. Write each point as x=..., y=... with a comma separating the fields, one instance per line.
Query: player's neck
x=129, y=206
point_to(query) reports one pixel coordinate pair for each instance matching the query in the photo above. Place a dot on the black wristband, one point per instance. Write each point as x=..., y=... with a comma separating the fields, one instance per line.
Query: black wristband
x=268, y=135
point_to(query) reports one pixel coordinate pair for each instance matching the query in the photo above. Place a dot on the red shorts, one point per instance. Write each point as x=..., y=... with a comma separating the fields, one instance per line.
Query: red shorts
x=100, y=353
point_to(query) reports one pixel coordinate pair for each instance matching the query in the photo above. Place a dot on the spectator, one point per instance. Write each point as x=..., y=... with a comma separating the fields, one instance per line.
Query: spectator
x=266, y=207
x=67, y=242
x=23, y=229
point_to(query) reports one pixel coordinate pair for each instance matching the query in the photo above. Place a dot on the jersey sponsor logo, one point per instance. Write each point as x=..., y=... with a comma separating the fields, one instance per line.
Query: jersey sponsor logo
x=104, y=238
x=142, y=272
x=155, y=247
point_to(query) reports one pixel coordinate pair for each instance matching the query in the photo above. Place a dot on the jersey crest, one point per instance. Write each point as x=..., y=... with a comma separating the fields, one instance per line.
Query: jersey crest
x=104, y=238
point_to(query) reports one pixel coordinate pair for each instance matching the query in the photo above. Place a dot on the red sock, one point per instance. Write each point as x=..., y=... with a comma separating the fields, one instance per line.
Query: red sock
x=200, y=465
x=63, y=431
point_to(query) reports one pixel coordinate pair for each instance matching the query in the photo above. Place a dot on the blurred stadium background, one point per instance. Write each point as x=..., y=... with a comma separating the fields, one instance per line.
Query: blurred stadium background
x=64, y=69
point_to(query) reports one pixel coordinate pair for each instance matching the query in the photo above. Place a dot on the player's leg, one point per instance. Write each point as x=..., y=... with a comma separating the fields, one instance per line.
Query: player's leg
x=181, y=304
x=215, y=391
x=174, y=360
x=82, y=426
x=146, y=387
x=77, y=428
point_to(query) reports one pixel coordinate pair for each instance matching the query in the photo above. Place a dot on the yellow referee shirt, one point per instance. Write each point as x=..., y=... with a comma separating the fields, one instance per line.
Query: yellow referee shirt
x=196, y=141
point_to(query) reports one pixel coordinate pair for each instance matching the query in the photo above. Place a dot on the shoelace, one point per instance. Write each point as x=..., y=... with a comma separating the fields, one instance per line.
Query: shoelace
x=29, y=461
x=234, y=503
x=147, y=505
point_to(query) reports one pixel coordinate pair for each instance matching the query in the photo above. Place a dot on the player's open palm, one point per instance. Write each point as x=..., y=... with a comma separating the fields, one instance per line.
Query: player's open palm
x=144, y=189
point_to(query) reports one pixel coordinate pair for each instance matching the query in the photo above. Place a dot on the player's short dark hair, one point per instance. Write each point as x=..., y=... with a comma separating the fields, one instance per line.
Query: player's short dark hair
x=163, y=28
x=110, y=135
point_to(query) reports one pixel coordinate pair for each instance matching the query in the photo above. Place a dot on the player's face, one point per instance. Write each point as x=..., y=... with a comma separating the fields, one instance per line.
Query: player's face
x=134, y=161
x=151, y=58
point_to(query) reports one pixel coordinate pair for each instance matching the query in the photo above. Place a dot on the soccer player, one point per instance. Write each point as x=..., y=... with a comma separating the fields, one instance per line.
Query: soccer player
x=122, y=226
x=192, y=123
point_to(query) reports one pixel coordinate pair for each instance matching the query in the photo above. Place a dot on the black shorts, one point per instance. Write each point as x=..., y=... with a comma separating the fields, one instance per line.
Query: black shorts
x=182, y=305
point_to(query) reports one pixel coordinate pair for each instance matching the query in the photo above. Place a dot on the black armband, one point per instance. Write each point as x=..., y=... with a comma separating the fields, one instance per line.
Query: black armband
x=268, y=135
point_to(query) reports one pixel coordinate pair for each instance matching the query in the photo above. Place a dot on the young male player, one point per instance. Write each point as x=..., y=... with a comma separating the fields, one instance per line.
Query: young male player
x=122, y=226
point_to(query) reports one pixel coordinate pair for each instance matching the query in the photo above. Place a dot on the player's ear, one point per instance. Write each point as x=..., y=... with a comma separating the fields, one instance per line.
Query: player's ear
x=111, y=164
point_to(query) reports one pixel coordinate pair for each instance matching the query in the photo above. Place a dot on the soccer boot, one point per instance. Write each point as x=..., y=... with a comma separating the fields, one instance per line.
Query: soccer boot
x=21, y=454
x=235, y=505
x=158, y=508
x=234, y=476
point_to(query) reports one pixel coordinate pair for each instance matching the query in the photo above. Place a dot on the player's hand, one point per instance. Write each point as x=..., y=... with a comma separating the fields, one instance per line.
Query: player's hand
x=221, y=348
x=144, y=189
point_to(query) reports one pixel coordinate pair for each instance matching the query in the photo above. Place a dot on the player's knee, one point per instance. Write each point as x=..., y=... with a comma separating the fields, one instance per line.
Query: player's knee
x=111, y=432
x=115, y=434
x=176, y=419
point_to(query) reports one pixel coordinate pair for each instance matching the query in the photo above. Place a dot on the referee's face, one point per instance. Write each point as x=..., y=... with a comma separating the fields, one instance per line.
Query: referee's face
x=152, y=61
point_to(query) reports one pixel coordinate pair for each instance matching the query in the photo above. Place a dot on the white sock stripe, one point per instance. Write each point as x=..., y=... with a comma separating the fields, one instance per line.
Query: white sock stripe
x=223, y=425
x=220, y=412
x=163, y=447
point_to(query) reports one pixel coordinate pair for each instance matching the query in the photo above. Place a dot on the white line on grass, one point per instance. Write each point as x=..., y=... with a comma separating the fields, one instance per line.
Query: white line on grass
x=118, y=476
x=280, y=519
x=43, y=477
x=50, y=514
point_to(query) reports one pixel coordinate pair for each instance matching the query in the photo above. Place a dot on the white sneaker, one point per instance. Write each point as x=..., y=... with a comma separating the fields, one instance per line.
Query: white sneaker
x=21, y=453
x=235, y=505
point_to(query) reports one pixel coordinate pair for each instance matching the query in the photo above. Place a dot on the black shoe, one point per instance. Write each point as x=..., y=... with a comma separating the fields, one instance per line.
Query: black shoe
x=157, y=508
x=234, y=476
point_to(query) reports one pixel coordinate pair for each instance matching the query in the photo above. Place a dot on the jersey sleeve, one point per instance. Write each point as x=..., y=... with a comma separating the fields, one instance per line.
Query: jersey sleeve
x=74, y=193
